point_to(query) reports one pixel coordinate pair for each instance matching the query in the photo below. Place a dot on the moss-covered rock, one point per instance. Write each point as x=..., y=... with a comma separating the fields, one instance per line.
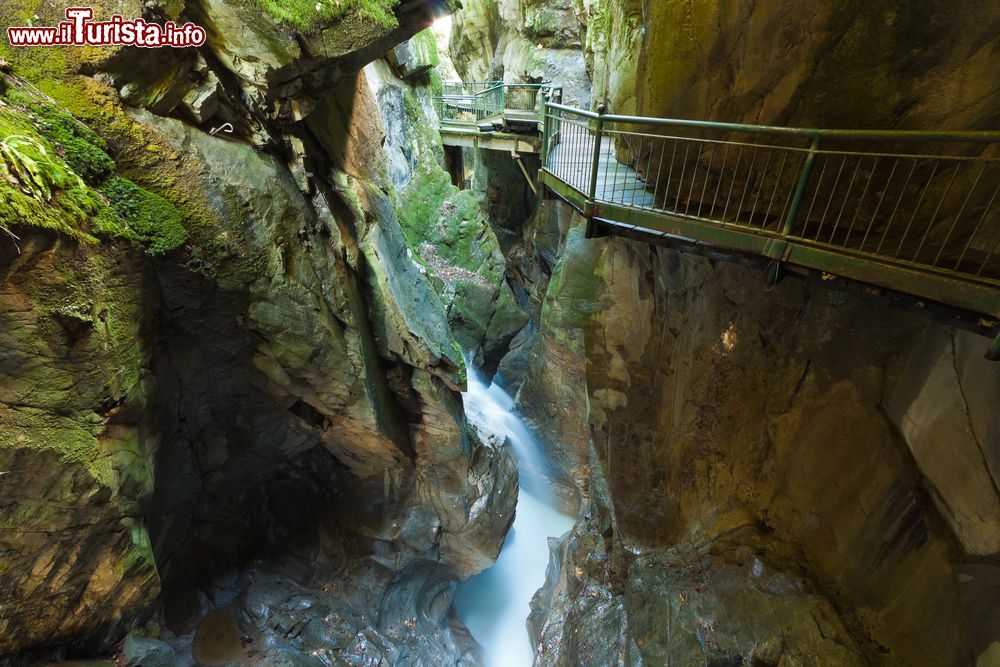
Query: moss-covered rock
x=415, y=57
x=718, y=433
x=38, y=187
x=476, y=33
x=73, y=324
x=445, y=229
x=83, y=150
x=307, y=15
x=166, y=419
x=150, y=218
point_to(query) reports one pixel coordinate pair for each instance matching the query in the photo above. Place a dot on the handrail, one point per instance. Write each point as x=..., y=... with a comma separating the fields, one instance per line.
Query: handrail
x=493, y=101
x=868, y=205
x=880, y=214
x=859, y=203
x=988, y=137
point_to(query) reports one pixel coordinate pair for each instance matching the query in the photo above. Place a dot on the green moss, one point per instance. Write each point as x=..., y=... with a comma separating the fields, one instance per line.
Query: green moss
x=83, y=150
x=37, y=187
x=27, y=513
x=142, y=153
x=424, y=50
x=150, y=218
x=424, y=199
x=463, y=371
x=139, y=558
x=306, y=15
x=438, y=213
x=87, y=315
x=107, y=224
x=42, y=430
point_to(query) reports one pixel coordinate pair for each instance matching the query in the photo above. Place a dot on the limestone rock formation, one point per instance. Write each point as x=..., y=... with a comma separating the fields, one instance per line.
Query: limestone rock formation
x=941, y=409
x=447, y=234
x=720, y=417
x=814, y=66
x=255, y=363
x=76, y=471
x=522, y=41
x=725, y=437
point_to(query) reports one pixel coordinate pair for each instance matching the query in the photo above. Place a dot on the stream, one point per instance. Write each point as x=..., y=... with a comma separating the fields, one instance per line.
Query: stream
x=494, y=605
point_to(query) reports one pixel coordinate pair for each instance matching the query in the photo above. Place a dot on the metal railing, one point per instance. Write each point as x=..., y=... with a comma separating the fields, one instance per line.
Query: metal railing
x=924, y=200
x=464, y=88
x=470, y=103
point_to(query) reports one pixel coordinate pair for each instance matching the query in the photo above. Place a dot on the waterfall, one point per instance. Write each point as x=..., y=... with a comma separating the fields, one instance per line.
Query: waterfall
x=494, y=605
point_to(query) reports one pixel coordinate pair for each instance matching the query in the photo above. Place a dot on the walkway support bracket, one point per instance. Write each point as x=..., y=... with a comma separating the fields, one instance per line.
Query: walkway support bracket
x=524, y=170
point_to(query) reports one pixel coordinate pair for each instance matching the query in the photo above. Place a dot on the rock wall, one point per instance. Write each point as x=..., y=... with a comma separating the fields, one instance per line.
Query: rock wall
x=261, y=419
x=748, y=459
x=445, y=229
x=76, y=471
x=729, y=421
x=821, y=65
x=522, y=41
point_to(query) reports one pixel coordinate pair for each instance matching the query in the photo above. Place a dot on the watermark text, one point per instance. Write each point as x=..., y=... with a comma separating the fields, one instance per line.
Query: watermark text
x=79, y=30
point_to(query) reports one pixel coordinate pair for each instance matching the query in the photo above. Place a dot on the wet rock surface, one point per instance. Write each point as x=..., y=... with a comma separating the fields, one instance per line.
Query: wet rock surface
x=745, y=428
x=248, y=448
x=742, y=452
x=272, y=401
x=76, y=475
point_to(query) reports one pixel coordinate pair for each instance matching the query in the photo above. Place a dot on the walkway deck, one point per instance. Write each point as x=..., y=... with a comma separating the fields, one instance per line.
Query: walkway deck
x=494, y=115
x=572, y=161
x=916, y=213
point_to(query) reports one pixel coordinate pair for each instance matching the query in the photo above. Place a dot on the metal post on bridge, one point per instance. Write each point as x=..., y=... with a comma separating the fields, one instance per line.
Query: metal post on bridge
x=602, y=109
x=800, y=189
x=774, y=274
x=546, y=129
x=598, y=136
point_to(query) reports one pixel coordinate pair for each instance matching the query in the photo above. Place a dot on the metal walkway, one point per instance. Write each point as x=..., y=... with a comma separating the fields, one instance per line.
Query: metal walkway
x=912, y=213
x=494, y=115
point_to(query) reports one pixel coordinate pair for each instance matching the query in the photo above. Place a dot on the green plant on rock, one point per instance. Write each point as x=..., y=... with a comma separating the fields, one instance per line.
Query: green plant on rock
x=26, y=163
x=308, y=14
x=152, y=219
x=83, y=150
x=37, y=189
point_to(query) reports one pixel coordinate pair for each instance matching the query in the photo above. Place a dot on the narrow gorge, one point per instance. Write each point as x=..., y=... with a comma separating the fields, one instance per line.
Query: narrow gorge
x=382, y=333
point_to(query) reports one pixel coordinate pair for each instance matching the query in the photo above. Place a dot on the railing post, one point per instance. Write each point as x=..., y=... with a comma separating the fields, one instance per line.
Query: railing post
x=800, y=189
x=544, y=157
x=598, y=136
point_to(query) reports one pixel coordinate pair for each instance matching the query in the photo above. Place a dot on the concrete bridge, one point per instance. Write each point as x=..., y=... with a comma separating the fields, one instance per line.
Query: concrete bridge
x=910, y=216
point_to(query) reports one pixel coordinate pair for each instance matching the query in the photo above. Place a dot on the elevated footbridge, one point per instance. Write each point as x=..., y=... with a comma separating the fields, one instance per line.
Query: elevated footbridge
x=908, y=214
x=494, y=115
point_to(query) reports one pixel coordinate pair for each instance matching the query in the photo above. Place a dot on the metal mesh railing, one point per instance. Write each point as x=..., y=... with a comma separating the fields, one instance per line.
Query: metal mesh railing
x=568, y=145
x=926, y=200
x=523, y=97
x=469, y=103
x=467, y=87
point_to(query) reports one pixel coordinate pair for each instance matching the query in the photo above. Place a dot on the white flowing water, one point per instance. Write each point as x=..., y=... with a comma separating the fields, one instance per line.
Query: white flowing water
x=494, y=605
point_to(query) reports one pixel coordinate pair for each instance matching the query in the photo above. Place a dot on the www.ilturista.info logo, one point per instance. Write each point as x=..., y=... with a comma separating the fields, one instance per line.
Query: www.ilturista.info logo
x=79, y=30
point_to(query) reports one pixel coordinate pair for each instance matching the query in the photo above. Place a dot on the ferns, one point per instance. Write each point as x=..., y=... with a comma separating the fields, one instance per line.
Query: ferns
x=25, y=163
